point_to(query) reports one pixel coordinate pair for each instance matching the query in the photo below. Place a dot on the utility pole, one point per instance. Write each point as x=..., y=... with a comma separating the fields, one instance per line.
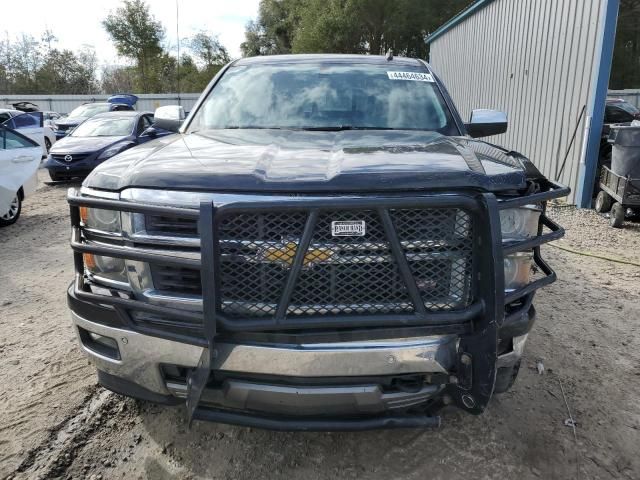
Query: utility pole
x=178, y=62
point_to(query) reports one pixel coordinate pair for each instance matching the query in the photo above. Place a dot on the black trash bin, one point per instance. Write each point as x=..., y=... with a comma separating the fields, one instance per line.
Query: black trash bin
x=625, y=154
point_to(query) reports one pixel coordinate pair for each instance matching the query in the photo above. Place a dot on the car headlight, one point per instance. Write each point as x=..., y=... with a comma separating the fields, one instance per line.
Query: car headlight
x=100, y=219
x=517, y=270
x=113, y=150
x=107, y=269
x=519, y=224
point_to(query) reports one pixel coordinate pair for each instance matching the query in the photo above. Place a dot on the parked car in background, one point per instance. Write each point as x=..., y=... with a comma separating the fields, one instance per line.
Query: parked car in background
x=98, y=139
x=19, y=161
x=30, y=124
x=26, y=106
x=618, y=110
x=115, y=103
x=50, y=118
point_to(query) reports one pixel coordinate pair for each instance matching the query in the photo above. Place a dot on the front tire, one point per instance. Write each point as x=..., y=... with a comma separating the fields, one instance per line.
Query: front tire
x=54, y=176
x=12, y=215
x=603, y=202
x=616, y=217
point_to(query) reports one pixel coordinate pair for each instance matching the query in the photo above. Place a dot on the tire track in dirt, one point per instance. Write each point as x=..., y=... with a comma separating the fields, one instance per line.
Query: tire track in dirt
x=56, y=453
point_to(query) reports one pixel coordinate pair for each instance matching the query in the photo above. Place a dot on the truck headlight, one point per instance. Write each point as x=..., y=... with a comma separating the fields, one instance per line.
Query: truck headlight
x=517, y=270
x=519, y=224
x=100, y=219
x=105, y=268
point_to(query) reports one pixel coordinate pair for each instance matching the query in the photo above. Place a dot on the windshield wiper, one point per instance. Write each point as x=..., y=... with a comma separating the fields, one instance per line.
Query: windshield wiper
x=327, y=128
x=341, y=128
x=248, y=127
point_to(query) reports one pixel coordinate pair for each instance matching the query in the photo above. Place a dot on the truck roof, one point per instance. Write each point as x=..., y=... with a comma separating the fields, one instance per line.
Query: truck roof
x=328, y=59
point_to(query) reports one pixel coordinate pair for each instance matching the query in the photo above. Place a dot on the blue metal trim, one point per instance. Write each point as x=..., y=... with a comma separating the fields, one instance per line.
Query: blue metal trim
x=597, y=100
x=471, y=10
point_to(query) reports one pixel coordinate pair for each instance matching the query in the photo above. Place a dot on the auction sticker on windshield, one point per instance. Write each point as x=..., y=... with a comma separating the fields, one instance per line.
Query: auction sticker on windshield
x=415, y=76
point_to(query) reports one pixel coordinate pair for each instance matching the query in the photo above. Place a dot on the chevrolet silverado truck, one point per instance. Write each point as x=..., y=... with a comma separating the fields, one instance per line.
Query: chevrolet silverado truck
x=323, y=244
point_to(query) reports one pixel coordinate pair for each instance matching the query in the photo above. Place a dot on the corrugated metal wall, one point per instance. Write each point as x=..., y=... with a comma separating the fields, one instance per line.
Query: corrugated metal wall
x=66, y=103
x=534, y=60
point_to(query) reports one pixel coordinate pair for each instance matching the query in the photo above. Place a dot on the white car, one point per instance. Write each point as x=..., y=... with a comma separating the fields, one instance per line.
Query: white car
x=50, y=118
x=19, y=162
x=30, y=124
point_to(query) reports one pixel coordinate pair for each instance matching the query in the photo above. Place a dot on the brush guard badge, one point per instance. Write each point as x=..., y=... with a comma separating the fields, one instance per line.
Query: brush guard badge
x=350, y=228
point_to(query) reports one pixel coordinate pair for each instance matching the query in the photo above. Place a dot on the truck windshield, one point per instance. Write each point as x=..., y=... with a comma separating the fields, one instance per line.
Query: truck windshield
x=325, y=97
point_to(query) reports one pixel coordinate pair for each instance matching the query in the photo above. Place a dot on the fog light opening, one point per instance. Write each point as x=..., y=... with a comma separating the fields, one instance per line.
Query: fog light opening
x=100, y=344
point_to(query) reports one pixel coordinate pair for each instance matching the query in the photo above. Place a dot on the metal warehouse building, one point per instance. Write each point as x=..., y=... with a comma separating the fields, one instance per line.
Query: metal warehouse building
x=546, y=63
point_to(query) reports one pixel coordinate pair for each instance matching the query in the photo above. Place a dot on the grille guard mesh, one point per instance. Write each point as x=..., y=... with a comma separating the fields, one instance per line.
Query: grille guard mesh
x=340, y=274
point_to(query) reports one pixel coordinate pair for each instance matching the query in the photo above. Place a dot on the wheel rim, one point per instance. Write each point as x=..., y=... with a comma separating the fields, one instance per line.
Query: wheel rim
x=13, y=209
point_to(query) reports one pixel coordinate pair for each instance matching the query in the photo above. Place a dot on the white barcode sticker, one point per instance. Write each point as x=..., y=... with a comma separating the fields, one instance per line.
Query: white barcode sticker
x=414, y=76
x=352, y=228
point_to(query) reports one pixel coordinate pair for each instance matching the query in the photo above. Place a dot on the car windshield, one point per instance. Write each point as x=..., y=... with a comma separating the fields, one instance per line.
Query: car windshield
x=88, y=110
x=325, y=97
x=627, y=107
x=105, y=127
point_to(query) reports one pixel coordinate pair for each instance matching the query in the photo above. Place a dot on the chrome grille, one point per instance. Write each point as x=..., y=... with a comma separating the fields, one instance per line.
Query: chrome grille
x=175, y=279
x=170, y=225
x=75, y=157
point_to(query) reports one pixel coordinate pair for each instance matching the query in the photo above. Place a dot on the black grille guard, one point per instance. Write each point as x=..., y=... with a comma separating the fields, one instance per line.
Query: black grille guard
x=479, y=321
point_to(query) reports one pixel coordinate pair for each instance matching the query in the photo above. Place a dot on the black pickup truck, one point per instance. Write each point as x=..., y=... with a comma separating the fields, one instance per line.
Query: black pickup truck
x=322, y=245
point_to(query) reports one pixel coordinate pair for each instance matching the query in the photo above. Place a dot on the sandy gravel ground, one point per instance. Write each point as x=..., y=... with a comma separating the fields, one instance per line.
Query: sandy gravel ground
x=56, y=423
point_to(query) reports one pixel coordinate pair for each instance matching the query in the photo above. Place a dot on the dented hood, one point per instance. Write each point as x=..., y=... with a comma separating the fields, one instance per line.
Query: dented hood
x=304, y=161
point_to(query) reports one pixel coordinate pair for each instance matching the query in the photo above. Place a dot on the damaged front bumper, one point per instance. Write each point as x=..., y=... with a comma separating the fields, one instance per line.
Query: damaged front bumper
x=284, y=386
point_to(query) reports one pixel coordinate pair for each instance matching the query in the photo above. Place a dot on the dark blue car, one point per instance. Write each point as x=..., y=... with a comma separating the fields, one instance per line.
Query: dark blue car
x=97, y=139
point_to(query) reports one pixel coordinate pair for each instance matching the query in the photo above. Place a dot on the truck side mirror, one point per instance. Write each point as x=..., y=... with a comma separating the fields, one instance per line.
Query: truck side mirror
x=169, y=117
x=484, y=123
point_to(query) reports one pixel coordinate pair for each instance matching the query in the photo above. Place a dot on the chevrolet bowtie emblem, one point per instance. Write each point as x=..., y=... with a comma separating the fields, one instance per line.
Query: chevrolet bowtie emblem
x=285, y=254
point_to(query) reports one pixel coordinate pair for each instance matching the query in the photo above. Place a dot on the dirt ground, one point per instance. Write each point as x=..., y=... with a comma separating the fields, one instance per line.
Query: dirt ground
x=55, y=422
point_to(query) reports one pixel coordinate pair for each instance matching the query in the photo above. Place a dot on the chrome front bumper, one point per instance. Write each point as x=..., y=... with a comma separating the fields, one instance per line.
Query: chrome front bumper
x=141, y=357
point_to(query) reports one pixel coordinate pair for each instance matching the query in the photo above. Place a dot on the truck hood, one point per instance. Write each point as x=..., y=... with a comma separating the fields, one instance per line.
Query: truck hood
x=311, y=161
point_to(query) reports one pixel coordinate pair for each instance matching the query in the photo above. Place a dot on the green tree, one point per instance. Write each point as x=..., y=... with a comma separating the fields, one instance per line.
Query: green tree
x=118, y=79
x=212, y=56
x=208, y=49
x=137, y=35
x=346, y=26
x=66, y=72
x=625, y=69
x=192, y=80
x=272, y=32
x=26, y=59
x=329, y=26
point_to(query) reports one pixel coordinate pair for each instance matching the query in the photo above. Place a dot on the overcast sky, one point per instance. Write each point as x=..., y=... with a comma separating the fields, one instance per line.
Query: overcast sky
x=78, y=22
